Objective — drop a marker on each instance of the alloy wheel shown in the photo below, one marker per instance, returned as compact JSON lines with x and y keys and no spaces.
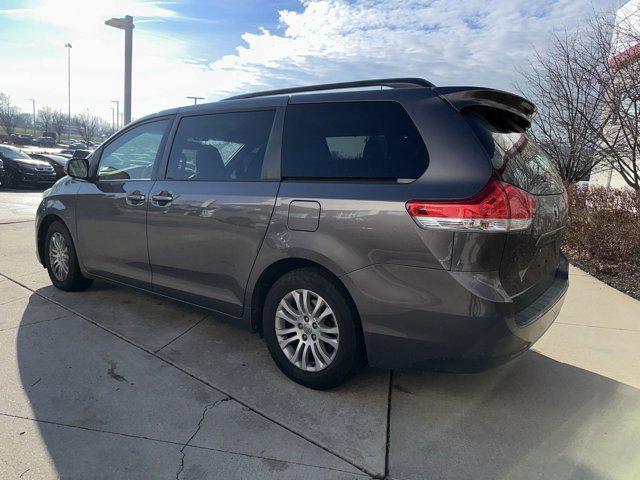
{"x":59,"y":256}
{"x":307,"y":330}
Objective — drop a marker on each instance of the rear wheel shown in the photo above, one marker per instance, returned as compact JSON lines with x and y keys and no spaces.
{"x":311,"y":330}
{"x":61,"y":260}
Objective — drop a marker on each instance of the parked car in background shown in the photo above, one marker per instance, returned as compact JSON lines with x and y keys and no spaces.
{"x":46,"y":142}
{"x":409,"y":227}
{"x":75,"y":152}
{"x":50,"y":135}
{"x":22,"y":139}
{"x":21,"y":169}
{"x":58,"y":162}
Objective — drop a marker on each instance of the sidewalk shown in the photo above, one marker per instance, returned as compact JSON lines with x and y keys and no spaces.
{"x":112,"y":383}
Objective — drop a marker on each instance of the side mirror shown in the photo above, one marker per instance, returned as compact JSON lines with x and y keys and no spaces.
{"x":78,"y":168}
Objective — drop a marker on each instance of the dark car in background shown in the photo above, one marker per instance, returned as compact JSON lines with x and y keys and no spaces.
{"x":409,"y":227}
{"x":58,"y":162}
{"x":46,"y":142}
{"x":21,"y":169}
{"x":22,"y":139}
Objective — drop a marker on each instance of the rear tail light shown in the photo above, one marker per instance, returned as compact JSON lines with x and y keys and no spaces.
{"x":499,"y":207}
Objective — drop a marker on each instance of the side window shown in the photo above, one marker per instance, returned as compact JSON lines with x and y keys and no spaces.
{"x":133,"y":154}
{"x":352,"y":140}
{"x":221,"y":146}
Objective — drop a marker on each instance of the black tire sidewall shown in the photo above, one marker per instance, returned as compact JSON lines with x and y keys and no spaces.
{"x":349,"y":349}
{"x":9,"y":179}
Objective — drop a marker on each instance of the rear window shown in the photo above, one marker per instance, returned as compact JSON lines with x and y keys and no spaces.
{"x":352,"y":140}
{"x":517,"y":158}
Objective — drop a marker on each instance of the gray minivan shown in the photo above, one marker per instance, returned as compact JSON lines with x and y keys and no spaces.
{"x":403,"y":226}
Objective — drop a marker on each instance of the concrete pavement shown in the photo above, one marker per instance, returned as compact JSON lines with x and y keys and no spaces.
{"x":18,"y":205}
{"x":112,"y":383}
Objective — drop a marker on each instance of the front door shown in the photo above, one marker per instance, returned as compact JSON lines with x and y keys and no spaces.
{"x":111,"y":212}
{"x":208,"y":218}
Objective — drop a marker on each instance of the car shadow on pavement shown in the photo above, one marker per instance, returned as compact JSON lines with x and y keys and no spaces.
{"x":532,"y":418}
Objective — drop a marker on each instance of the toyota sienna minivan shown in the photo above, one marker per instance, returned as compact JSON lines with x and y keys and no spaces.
{"x":388,"y":222}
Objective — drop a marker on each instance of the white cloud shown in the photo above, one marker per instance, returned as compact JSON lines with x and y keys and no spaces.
{"x":448,"y":42}
{"x":445,"y":41}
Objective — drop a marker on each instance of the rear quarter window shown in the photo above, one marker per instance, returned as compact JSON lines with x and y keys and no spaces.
{"x":352,"y":140}
{"x":517,"y":158}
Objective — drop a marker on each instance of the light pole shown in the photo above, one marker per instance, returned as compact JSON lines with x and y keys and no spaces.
{"x":33,"y":103}
{"x":68,"y":46}
{"x":127,"y":25}
{"x":117,"y":102}
{"x":113,"y":119}
{"x":195,"y":99}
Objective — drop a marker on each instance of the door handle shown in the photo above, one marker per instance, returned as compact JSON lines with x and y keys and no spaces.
{"x":135,"y":198}
{"x":162,"y":198}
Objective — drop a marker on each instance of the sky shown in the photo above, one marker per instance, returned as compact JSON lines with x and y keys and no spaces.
{"x":215,"y":49}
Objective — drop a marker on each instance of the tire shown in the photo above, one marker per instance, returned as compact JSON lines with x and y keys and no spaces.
{"x":9,"y":180}
{"x":57,"y":242}
{"x":335,"y":365}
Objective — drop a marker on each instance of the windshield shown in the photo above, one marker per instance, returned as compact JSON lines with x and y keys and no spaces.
{"x":517,"y":158}
{"x":13,"y":154}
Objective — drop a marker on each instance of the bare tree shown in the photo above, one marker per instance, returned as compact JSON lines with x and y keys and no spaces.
{"x":58,"y":123}
{"x":87,"y":124}
{"x":568,"y":100}
{"x":45,"y":117}
{"x":611,"y":54}
{"x":9,"y":114}
{"x":587,"y":88}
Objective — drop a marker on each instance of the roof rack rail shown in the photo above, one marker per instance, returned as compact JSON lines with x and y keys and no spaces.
{"x":380,"y":82}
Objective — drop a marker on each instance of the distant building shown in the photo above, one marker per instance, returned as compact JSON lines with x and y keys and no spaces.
{"x":625,"y":50}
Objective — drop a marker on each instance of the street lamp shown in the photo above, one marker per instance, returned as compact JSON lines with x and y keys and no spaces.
{"x":117,"y":102}
{"x":68,"y":46}
{"x":113,"y":119}
{"x":195,"y":99}
{"x":33,"y":102}
{"x":125,"y":24}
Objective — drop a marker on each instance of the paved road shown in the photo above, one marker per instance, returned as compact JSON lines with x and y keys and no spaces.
{"x":111,"y":383}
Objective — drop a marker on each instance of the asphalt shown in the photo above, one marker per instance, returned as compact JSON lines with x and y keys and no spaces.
{"x":112,"y":383}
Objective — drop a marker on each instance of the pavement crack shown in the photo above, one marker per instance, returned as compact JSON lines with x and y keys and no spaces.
{"x":198,"y":427}
{"x":217,"y":388}
{"x":387,"y":445}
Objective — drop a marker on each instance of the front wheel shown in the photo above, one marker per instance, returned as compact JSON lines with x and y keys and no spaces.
{"x":311,"y":330}
{"x":10,"y":179}
{"x":61,"y":260}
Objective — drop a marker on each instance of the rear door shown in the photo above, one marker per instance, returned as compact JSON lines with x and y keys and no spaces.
{"x":111,"y":211}
{"x":208,"y":216}
{"x":530,"y":257}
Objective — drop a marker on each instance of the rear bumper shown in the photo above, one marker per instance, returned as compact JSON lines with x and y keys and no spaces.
{"x":427,"y":319}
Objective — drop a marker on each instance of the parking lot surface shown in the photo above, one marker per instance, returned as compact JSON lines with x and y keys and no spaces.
{"x":113,"y":383}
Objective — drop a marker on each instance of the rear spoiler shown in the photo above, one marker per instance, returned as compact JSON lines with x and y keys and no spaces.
{"x":490,"y":103}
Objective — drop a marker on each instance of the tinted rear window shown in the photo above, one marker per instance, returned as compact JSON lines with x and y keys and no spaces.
{"x":517,"y":158}
{"x":352,"y":140}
